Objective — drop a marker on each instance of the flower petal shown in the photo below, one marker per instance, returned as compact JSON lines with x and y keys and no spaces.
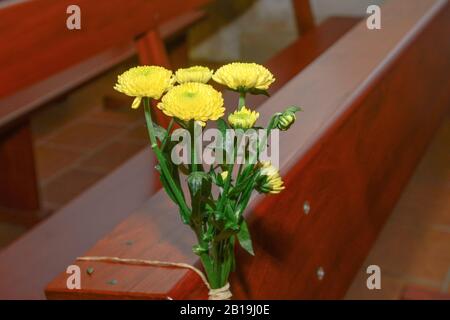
{"x":136,"y":102}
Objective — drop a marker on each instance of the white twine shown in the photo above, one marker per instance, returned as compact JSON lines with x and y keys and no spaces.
{"x":223,"y":293}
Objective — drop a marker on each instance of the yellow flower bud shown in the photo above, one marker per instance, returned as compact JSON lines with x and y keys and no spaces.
{"x":270,"y":180}
{"x":224,"y":175}
{"x":193,"y":74}
{"x":243,"y":118}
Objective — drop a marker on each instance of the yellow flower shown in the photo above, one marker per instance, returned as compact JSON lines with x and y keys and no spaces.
{"x":270,"y":180}
{"x":193,"y":74}
{"x":193,"y":101}
{"x":243,"y":118}
{"x":244,"y":76}
{"x":144,"y":81}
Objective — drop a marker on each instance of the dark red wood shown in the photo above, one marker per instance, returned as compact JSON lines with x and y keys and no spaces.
{"x":18,"y":187}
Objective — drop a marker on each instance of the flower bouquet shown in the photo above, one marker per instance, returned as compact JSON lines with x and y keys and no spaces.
{"x":211,"y":185}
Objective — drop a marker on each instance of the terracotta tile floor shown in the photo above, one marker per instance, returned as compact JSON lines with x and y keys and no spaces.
{"x":80,"y":153}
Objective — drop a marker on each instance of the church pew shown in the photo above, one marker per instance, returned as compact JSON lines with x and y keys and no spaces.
{"x":47,"y":60}
{"x":60,"y":233}
{"x":372,"y":103}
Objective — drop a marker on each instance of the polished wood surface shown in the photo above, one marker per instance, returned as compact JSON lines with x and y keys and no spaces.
{"x":349,"y":156}
{"x":105,"y":23}
{"x":130,"y":185}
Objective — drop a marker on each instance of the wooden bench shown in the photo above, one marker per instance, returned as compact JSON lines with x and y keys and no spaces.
{"x":32,"y":75}
{"x":59,"y":234}
{"x":372,"y":102}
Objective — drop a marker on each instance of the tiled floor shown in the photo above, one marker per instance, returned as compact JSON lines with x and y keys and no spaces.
{"x":80,"y":153}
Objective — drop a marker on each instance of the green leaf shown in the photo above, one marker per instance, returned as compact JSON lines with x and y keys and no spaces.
{"x":235,"y":191}
{"x":230,"y":216}
{"x":165,"y":184}
{"x":199,"y":184}
{"x":196,"y":180}
{"x":244,"y":238}
{"x":200,"y":249}
{"x":222,"y":126}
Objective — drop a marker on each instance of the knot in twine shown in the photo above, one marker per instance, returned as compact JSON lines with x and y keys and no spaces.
{"x":223,"y":293}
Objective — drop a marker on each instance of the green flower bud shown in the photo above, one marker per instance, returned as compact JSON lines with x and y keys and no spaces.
{"x":285,"y":120}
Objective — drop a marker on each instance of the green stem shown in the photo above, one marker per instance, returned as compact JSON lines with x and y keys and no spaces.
{"x":169,"y":128}
{"x":241,"y":99}
{"x":162,"y":162}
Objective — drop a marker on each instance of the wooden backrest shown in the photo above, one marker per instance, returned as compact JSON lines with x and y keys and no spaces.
{"x":303,"y":15}
{"x":35,"y":42}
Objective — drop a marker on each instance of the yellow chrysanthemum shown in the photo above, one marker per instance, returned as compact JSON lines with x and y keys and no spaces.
{"x":193,"y":101}
{"x":243,"y":118}
{"x":193,"y":74}
{"x":270,"y":180}
{"x":144,"y":81}
{"x":244,"y":76}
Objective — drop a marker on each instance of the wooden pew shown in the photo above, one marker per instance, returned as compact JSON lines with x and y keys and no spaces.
{"x":372,"y":102}
{"x":304,"y":16}
{"x":129,"y":186}
{"x":47,"y":60}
